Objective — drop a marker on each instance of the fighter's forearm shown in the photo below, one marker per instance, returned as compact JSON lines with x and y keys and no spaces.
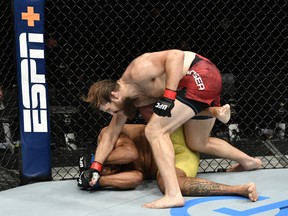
{"x":103,"y":150}
{"x":122,"y":155}
{"x":109,"y":137}
{"x":123,"y":180}
{"x":124,"y":150}
{"x":174,"y":67}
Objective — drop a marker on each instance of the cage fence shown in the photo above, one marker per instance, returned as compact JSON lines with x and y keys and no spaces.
{"x":89,"y":40}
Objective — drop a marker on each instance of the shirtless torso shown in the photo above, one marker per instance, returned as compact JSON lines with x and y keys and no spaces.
{"x":155,"y":84}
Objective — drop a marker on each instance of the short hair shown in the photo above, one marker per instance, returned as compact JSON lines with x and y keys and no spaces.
{"x":100,"y":92}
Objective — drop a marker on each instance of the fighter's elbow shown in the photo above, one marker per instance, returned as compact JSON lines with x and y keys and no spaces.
{"x":136,"y":178}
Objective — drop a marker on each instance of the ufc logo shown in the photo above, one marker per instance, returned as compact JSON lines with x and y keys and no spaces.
{"x":81,"y":164}
{"x":161,"y":106}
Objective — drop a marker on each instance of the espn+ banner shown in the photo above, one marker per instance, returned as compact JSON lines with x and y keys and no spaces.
{"x":32,"y":90}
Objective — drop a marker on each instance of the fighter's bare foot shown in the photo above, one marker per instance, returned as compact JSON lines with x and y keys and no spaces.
{"x":249,"y":190}
{"x":165,"y":202}
{"x":224,"y":113}
{"x":252,"y":164}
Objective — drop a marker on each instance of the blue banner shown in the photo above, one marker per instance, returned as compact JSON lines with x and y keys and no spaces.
{"x":32,"y":89}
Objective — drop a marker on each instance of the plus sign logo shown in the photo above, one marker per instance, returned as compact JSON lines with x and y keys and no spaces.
{"x":30,"y":16}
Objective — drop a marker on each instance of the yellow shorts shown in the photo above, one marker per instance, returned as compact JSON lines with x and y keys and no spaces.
{"x":185,"y":159}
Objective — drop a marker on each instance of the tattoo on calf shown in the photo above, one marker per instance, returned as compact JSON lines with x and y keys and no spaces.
{"x":197,"y":187}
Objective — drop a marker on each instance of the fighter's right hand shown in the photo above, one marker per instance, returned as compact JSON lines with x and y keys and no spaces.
{"x":85,"y":162}
{"x":89,"y":179}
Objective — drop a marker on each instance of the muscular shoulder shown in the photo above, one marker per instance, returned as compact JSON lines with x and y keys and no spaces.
{"x":146,"y":67}
{"x":149,"y":66}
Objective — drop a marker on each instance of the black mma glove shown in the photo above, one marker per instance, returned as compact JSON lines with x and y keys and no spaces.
{"x":87,"y":175}
{"x":164,"y":106}
{"x":85,"y":162}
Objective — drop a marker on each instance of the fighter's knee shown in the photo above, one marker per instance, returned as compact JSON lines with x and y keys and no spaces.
{"x":150,"y":132}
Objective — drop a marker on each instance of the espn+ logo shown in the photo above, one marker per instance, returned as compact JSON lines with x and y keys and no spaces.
{"x":32,"y":84}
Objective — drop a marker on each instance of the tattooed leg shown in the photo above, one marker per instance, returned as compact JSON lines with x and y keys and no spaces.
{"x":202,"y":187}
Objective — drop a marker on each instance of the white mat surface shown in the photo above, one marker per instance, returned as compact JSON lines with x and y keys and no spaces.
{"x":63,"y":198}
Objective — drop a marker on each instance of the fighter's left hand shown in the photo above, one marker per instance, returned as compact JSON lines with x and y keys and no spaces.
{"x":164,"y":106}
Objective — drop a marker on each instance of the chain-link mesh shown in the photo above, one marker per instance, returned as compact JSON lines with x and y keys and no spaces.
{"x":9,"y":127}
{"x":89,"y":40}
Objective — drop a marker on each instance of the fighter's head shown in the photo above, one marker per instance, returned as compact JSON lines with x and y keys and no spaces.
{"x":101,"y":93}
{"x":105,"y":95}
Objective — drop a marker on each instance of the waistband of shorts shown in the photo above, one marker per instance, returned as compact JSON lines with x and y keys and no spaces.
{"x":201,"y":117}
{"x":195,"y":60}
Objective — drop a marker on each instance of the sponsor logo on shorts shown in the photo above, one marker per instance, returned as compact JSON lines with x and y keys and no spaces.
{"x":198,"y":79}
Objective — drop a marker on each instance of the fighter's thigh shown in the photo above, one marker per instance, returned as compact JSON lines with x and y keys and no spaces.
{"x":179,"y":115}
{"x":197,"y":132}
